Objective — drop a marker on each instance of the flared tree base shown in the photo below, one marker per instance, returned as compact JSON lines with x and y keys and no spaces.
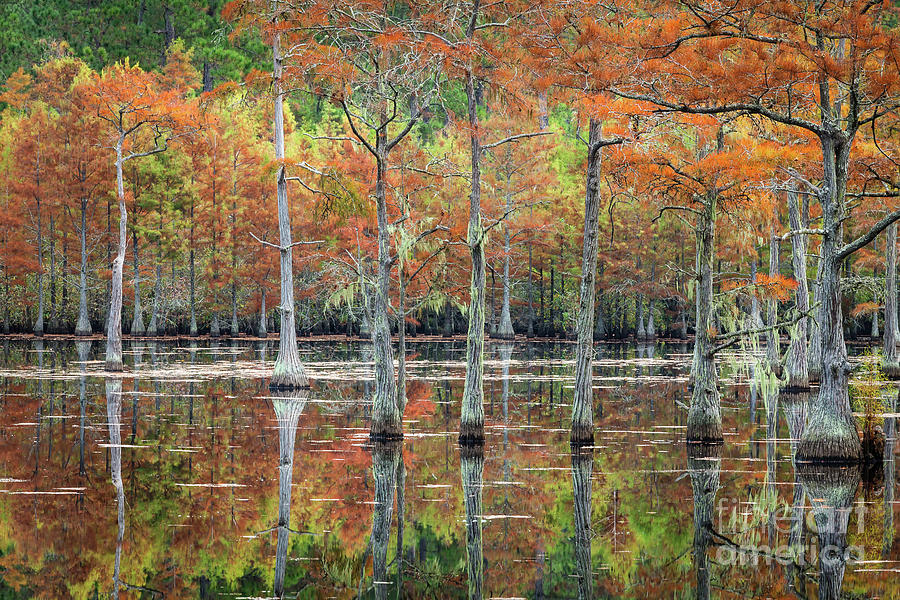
{"x":830,"y":449}
{"x":796,"y":388}
{"x":113,"y":364}
{"x":500,"y":335}
{"x":704,"y":431}
{"x":581,"y":435}
{"x":83,"y":332}
{"x":385,"y":433}
{"x":471,"y":434}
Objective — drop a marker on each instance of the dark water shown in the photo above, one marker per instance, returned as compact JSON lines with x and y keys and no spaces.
{"x":187,"y":478}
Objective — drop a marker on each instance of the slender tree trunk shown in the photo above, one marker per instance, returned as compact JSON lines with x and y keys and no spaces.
{"x":773,"y":343}
{"x":261,"y":332}
{"x":235,"y":329}
{"x":796,"y":362}
{"x":401,"y":343}
{"x":505,"y":329}
{"x":54,"y":314}
{"x":471,"y":427}
{"x":639,"y":318}
{"x":815,"y":335}
{"x":891,"y":364}
{"x":582,"y":429}
{"x":83,"y":327}
{"x":386,"y":420}
{"x":114,"y":322}
{"x":530,"y":330}
{"x":154,"y":327}
{"x":193,"y":277}
{"x":39,"y":320}
{"x":704,"y":417}
{"x":288,"y":372}
{"x":137,"y":321}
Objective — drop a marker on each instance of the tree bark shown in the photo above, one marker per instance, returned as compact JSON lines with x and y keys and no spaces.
{"x":288,"y":372}
{"x":796,"y":361}
{"x":471,"y":427}
{"x":114,"y":321}
{"x":830,"y":433}
{"x":773,"y":341}
{"x":83,"y":327}
{"x":704,"y":417}
{"x":891,"y":365}
{"x":505,"y":329}
{"x":39,"y":320}
{"x":582,"y":429}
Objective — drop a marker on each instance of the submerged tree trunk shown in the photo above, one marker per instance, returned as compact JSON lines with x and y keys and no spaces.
{"x":288,"y":372}
{"x":83,"y":327}
{"x":582,"y":465}
{"x":472,"y":470}
{"x":891,"y":365}
{"x":471,"y":427}
{"x":114,"y":321}
{"x":288,"y":408}
{"x":796,"y":362}
{"x":704,"y":417}
{"x":582,"y":429}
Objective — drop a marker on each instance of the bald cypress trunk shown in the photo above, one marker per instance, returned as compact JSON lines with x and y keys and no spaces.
{"x":114,"y":321}
{"x":773,"y":340}
{"x":261,"y":330}
{"x":831,"y":433}
{"x":288,"y":372}
{"x":83,"y":327}
{"x":582,"y":429}
{"x":505,"y":328}
{"x":796,"y":361}
{"x":704,"y":417}
{"x":891,"y":338}
{"x":471,"y":428}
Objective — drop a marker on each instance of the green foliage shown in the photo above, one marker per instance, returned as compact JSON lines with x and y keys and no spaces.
{"x":867,"y":392}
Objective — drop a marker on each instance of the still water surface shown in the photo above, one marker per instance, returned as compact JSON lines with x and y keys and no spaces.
{"x":187,"y":478}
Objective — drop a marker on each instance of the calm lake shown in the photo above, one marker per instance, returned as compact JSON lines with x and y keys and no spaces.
{"x":187,"y":478}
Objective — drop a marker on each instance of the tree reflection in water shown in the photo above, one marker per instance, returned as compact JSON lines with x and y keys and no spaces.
{"x":704,"y":464}
{"x":472,"y":470}
{"x":582,"y":466}
{"x":288,"y":408}
{"x":113,"y":416}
